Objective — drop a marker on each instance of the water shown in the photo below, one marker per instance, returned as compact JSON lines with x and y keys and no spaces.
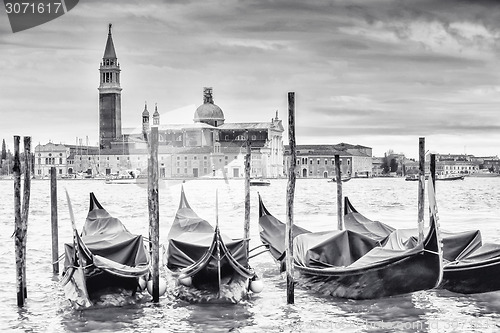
{"x":463,"y":205}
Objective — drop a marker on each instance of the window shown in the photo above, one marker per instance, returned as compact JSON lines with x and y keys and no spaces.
{"x":204,"y":157}
{"x":311,"y":161}
{"x":60,"y":160}
{"x":185,"y":170}
{"x":185,"y":157}
{"x":318,"y":161}
{"x":178,"y":170}
{"x":178,"y":158}
{"x":117,"y":158}
{"x":225,"y":157}
{"x":348,"y":162}
{"x":195,"y":158}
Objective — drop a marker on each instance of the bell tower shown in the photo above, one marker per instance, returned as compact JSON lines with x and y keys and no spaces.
{"x":110,"y":112}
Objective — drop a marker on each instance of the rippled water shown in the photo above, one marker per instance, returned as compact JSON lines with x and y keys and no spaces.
{"x":463,"y":205}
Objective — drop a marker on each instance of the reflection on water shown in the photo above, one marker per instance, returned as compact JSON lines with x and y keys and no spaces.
{"x":463,"y":205}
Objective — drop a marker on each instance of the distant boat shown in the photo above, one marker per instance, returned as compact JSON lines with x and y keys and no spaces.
{"x":259,"y":182}
{"x":484,"y":174}
{"x":415,"y":177}
{"x":450,"y":177}
{"x":343,"y":179}
{"x":129,"y":177}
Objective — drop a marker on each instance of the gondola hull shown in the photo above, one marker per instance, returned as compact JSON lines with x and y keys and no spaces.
{"x":349,"y":265}
{"x":418,"y":272}
{"x":470,"y":279}
{"x":104,"y":263}
{"x":207,"y":265}
{"x":470,"y":266}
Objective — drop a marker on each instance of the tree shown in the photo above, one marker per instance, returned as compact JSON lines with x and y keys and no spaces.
{"x":4,"y":151}
{"x":394,"y":165}
{"x":385,"y":165}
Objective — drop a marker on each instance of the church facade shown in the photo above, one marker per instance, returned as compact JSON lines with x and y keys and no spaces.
{"x":208,"y":147}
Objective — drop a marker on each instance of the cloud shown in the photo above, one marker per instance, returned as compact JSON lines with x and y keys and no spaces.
{"x":383,"y":67}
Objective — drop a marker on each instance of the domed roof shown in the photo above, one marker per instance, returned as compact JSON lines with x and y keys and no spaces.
{"x":145,"y":113}
{"x":208,"y":112}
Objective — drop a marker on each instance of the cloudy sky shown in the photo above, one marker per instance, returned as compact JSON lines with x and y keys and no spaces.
{"x":379,"y":73}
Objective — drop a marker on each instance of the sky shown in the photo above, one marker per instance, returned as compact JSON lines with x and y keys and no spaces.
{"x":378,"y":73}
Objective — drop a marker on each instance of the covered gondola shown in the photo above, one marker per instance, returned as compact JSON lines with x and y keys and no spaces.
{"x":469,"y":265}
{"x":203,"y":258}
{"x":105,"y":259}
{"x":351,"y":265}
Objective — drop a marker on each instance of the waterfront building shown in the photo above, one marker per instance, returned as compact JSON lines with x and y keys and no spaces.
{"x":48,"y":156}
{"x":318,"y":161}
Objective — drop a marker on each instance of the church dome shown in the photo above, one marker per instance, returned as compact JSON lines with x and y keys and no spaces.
{"x":208,"y":112}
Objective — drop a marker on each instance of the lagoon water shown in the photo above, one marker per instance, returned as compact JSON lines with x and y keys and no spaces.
{"x":473,"y":203}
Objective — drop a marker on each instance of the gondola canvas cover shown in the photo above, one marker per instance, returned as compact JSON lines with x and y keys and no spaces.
{"x":107,"y":244}
{"x":190,"y":236}
{"x":331,"y":249}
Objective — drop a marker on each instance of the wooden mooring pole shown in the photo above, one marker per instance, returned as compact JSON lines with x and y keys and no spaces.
{"x":21,"y":211}
{"x":248,"y":158}
{"x":53,"y":219}
{"x":433,"y":171}
{"x":290,"y":192}
{"x":154,"y":216}
{"x":18,"y":224}
{"x":26,"y":203}
{"x":421,"y":188}
{"x":338,"y":173}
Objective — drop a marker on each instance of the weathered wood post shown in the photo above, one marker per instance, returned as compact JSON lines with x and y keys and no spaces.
{"x":290,"y":191}
{"x":248,"y":157}
{"x":433,"y":171}
{"x":26,"y":203}
{"x":338,"y":176}
{"x":53,"y":219}
{"x":18,"y":222}
{"x":421,"y":188}
{"x":154,"y":218}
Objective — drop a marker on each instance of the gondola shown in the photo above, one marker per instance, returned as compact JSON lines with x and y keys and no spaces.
{"x":105,"y":259}
{"x":207,"y":264}
{"x":350,"y":265}
{"x":469,"y":265}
